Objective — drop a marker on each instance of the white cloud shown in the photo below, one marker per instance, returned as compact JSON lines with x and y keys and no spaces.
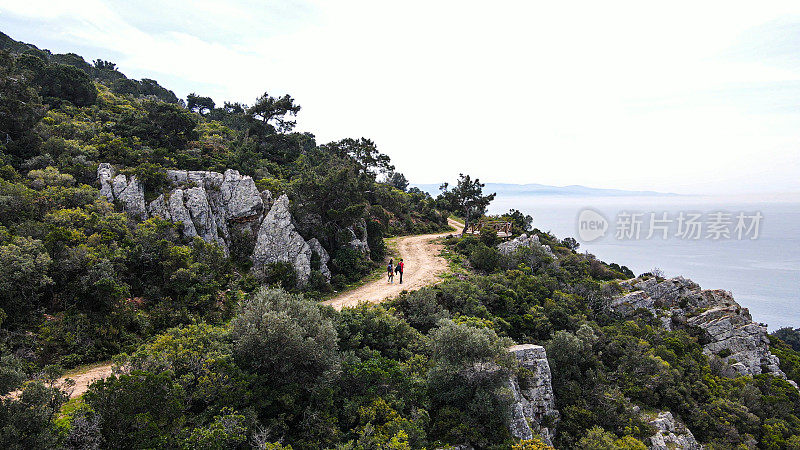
{"x":609,"y":94}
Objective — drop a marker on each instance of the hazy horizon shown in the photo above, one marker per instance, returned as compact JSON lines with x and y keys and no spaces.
{"x":782,"y":196}
{"x":606,"y":95}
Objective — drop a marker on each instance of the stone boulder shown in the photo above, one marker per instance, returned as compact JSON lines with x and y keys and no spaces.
{"x":213,"y":205}
{"x":668,"y":293}
{"x":179,"y":213}
{"x":159,"y":208}
{"x":533,"y":410}
{"x":203,"y":218}
{"x":737,"y":340}
{"x":671,"y":434}
{"x":279,"y":241}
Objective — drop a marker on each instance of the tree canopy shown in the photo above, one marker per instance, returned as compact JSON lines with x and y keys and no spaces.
{"x":466,"y":197}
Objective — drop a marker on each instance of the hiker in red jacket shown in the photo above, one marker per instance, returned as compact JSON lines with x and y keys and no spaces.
{"x":399,"y":269}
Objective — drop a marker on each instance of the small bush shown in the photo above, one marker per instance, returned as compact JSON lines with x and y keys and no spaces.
{"x":280,"y":274}
{"x":350,"y":263}
{"x":489,"y":236}
{"x":485,"y":259}
{"x":317,"y":282}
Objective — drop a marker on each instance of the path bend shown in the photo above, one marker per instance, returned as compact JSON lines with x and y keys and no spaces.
{"x":423,"y":267}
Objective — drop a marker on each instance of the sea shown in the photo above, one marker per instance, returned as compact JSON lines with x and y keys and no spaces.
{"x":757,"y":260}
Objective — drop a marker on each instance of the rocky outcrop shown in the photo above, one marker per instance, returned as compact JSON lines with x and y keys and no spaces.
{"x":671,"y":434}
{"x":240,"y":196}
{"x":159,"y":208}
{"x":729,"y":331}
{"x":203,"y":218}
{"x":509,"y":247}
{"x":128,"y":192}
{"x":179,"y":213}
{"x":105,"y":173}
{"x":279,"y":241}
{"x":216,"y":206}
{"x":357,"y":237}
{"x":533,"y":410}
{"x":739,"y":341}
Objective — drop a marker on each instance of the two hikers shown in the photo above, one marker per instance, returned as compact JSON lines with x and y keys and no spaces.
{"x":392,"y":269}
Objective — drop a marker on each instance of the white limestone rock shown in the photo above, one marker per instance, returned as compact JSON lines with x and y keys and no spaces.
{"x":211,"y":204}
{"x":671,"y":434}
{"x":130,"y":194}
{"x":324,"y":258}
{"x":357,"y":237}
{"x":159,"y":208}
{"x":534,"y":400}
{"x":179,"y":213}
{"x":279,"y":241}
{"x":105,"y":173}
{"x":202,"y":217}
{"x":523,"y":240}
{"x":240,"y":196}
{"x":732,"y":335}
{"x":737,"y":340}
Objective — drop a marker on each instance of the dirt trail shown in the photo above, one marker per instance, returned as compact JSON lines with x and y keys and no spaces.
{"x":423,"y":266}
{"x":83,"y":377}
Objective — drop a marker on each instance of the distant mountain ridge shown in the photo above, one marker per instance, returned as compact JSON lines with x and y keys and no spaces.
{"x":574,"y":190}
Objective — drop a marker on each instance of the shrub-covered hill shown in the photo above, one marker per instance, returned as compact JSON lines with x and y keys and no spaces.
{"x":432,"y":368}
{"x":207,"y":358}
{"x":82,"y":280}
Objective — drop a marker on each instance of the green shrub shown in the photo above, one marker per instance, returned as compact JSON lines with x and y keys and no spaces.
{"x":280,"y":274}
{"x":351,"y":263}
{"x":485,"y":259}
{"x":318,"y":282}
{"x":489,"y":236}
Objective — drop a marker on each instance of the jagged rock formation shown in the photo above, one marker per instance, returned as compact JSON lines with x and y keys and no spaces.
{"x":317,"y":248}
{"x":357,"y":237}
{"x":104,"y":175}
{"x":128,"y":192}
{"x":216,"y":206}
{"x":279,"y":241}
{"x":671,"y":434}
{"x":730,"y":332}
{"x":534,"y":408}
{"x":509,"y":247}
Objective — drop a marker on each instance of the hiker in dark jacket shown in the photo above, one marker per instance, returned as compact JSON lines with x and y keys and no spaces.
{"x":390,"y":271}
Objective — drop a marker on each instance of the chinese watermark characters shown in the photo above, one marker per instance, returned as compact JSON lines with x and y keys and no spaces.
{"x":685,"y":225}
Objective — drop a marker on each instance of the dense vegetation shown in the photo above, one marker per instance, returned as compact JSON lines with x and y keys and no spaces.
{"x":82,"y":281}
{"x":209,"y":359}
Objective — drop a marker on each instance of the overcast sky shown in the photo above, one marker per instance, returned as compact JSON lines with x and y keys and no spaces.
{"x":694,"y":97}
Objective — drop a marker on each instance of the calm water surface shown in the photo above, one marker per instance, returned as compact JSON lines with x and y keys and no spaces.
{"x":762,"y":274}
